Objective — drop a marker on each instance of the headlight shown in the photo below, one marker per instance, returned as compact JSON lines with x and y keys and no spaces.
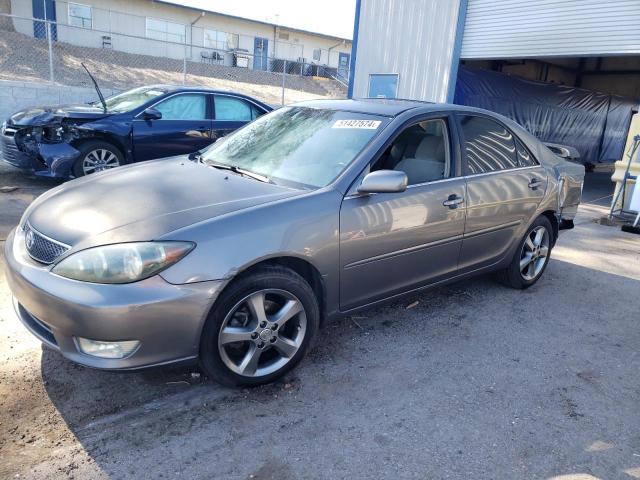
{"x":122,"y":262}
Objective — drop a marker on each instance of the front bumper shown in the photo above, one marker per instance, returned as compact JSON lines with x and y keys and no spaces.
{"x":51,"y":159}
{"x":167,"y":319}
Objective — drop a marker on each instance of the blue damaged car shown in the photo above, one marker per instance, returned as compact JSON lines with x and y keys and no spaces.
{"x":140,"y":124}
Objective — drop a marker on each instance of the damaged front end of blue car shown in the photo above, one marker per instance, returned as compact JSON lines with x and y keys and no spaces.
{"x":42,"y":150}
{"x":22,"y":150}
{"x":40,"y":140}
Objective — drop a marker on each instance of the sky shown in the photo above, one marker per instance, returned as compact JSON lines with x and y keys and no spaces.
{"x":331,"y":17}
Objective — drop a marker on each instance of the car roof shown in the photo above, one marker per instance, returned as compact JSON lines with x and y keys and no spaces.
{"x":173,"y":88}
{"x":377,"y":106}
{"x":186,"y":88}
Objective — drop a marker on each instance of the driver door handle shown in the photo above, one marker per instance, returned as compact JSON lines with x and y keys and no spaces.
{"x":453,"y":201}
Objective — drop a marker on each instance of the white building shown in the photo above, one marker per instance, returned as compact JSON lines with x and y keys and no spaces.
{"x":162,"y":28}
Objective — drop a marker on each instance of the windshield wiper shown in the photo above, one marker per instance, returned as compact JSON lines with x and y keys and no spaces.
{"x":95,"y":84}
{"x":238,"y":170}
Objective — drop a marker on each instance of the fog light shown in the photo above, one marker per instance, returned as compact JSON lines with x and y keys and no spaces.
{"x":96,"y":348}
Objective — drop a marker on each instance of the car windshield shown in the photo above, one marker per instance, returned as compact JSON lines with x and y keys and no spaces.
{"x":296,"y":146}
{"x":131,"y":99}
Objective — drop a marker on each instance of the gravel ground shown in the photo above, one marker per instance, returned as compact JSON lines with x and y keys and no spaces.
{"x":472,"y":381}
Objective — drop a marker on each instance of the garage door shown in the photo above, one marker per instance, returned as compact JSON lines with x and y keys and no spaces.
{"x":544,"y":28}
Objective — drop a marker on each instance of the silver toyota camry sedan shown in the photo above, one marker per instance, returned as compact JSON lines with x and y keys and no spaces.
{"x":235,"y":256}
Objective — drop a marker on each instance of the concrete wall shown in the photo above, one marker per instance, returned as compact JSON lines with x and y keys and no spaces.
{"x":414,"y":39}
{"x":15,"y":96}
{"x":125,"y":22}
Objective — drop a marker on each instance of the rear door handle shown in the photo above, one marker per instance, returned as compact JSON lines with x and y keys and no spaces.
{"x":453,"y":201}
{"x":534,"y":184}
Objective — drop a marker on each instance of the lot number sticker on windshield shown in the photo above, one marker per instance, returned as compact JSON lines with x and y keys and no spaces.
{"x":366,"y":124}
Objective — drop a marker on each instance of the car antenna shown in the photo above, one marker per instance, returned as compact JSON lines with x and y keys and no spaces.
{"x":95,"y":84}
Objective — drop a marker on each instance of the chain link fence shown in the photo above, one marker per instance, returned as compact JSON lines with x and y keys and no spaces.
{"x":37,"y":50}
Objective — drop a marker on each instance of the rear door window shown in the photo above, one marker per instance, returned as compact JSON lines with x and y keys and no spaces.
{"x":488,"y":145}
{"x":232,"y":109}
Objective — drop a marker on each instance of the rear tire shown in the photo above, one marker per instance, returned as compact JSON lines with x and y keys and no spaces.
{"x":531,"y":257}
{"x":259,"y":328}
{"x":96,"y":156}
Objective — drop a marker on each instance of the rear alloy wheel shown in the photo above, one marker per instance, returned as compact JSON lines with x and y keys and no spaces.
{"x":535,"y":251}
{"x":532,"y":256}
{"x":96,"y":157}
{"x":260,"y":328}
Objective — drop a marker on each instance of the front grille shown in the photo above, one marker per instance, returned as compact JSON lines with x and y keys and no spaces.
{"x":41,"y":248}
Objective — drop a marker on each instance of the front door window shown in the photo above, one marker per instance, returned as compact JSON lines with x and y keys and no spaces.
{"x":421,"y":151}
{"x":187,"y":106}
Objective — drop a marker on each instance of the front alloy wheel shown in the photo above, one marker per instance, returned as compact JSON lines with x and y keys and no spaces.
{"x":262,"y":333}
{"x":98,"y":160}
{"x":96,"y":156}
{"x":260,"y":327}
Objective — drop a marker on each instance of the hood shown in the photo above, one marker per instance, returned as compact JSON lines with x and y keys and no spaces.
{"x":39,"y":116}
{"x":145,"y":201}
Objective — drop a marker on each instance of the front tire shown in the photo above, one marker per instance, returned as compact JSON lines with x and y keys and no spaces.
{"x":96,"y":156}
{"x":532,"y":256}
{"x":259,"y":328}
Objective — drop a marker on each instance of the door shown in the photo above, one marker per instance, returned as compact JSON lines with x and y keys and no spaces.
{"x":343,"y":65}
{"x":393,"y":242}
{"x":260,"y":49}
{"x":505,"y":185}
{"x":185,"y":127}
{"x":231,"y":113}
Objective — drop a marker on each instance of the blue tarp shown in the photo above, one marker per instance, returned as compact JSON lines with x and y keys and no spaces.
{"x":594,"y":123}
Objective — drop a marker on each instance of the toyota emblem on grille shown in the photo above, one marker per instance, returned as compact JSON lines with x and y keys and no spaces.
{"x":29,"y":239}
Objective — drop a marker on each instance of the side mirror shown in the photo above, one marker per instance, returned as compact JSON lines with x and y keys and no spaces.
{"x":563,"y":151}
{"x":151,"y":114}
{"x":384,"y":181}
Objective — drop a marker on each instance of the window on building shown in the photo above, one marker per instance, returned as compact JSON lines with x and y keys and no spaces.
{"x":382,"y":85}
{"x":488,"y":145}
{"x":220,"y":40}
{"x":165,"y":30}
{"x":80,"y":15}
{"x":232,"y":109}
{"x":186,"y":106}
{"x":421,"y":151}
{"x":317,"y":53}
{"x":283,"y":35}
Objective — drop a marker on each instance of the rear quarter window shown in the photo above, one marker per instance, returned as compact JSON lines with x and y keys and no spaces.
{"x":525,"y":158}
